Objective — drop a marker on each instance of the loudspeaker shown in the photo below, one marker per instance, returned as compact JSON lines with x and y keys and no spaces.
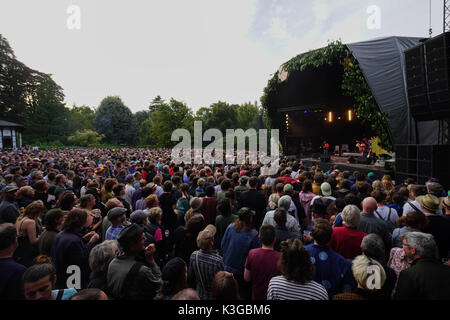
{"x":324,"y":158}
{"x":422,"y":162}
{"x":416,"y":80}
{"x":437,"y":54}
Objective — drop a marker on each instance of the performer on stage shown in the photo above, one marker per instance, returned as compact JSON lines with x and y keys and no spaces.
{"x":325,"y":147}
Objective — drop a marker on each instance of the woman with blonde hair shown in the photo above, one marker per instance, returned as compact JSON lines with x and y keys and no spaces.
{"x":28,"y":229}
{"x":387,"y":183}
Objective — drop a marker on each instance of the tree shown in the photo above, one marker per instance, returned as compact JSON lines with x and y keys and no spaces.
{"x":223,"y":116}
{"x":47,"y":118}
{"x":166,"y":118}
{"x":86,"y":138}
{"x":116,"y":122}
{"x":81,"y":118}
{"x":158,"y":101}
{"x":19,"y":85}
{"x":247,"y":116}
{"x":141,"y":116}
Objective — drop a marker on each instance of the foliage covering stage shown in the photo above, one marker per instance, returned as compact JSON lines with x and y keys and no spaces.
{"x":353,"y":85}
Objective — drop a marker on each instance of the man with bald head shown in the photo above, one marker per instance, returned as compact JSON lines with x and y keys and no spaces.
{"x":371,"y":224}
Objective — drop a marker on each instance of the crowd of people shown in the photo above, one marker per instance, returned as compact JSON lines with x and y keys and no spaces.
{"x":127,"y":224}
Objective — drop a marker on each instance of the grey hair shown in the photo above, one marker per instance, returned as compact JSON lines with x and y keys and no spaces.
{"x":435,"y":188}
{"x":101,"y":254}
{"x":423,"y":243}
{"x":284,"y":202}
{"x":351,"y":216}
{"x":372,"y":245}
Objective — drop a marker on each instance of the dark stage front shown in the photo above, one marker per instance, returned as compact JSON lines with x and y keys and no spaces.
{"x":310,"y":107}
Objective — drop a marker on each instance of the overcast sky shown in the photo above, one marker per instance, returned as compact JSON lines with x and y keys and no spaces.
{"x":197,"y":51}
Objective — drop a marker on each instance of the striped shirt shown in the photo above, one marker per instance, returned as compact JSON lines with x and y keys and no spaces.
{"x":282,"y":289}
{"x":209,"y":263}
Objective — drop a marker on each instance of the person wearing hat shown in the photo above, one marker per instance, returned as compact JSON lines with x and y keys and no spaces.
{"x":8,"y":209}
{"x":446,"y":204}
{"x":174,"y":276}
{"x":205,"y":263}
{"x":438,"y":225}
{"x":240,"y":237}
{"x":117,"y":217}
{"x":133,"y":274}
{"x":140,"y":217}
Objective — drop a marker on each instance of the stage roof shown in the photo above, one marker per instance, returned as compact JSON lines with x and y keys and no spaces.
{"x":382,"y":63}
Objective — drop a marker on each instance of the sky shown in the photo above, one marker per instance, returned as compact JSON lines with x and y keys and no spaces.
{"x":196,"y":51}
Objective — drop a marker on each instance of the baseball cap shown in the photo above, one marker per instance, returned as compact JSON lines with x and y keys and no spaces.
{"x":326,"y":189}
{"x":206,"y":236}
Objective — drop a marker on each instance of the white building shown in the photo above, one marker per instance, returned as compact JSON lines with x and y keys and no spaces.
{"x":10,"y":135}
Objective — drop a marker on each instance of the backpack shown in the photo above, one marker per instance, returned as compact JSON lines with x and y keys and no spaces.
{"x":388,"y":221}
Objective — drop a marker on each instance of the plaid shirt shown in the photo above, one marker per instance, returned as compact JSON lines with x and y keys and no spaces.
{"x":113,"y":232}
{"x":209,"y":263}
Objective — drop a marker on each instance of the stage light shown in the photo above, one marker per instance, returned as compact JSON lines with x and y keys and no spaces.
{"x":330,"y":116}
{"x":305,"y":112}
{"x":350,"y":115}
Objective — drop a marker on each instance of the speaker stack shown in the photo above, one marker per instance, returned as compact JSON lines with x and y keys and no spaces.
{"x":427,"y":78}
{"x":422,"y":162}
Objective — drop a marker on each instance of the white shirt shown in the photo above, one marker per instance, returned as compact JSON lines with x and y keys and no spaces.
{"x":129,"y":190}
{"x":407,"y":208}
{"x":384,"y":213}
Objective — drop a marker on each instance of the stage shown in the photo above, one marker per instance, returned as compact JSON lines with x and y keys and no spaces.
{"x":342,"y":164}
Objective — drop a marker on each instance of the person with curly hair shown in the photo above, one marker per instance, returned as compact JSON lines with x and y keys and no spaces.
{"x":297,"y":269}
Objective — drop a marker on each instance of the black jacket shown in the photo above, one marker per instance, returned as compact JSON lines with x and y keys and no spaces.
{"x":426,"y":279}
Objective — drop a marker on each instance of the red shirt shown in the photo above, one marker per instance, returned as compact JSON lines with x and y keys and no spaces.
{"x":262,"y":265}
{"x":287,"y":179}
{"x":347,"y":241}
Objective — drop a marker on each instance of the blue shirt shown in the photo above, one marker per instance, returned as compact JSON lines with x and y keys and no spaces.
{"x":338,"y":222}
{"x":332,"y":270}
{"x":236,"y":246}
{"x":66,"y":295}
{"x":113,"y":232}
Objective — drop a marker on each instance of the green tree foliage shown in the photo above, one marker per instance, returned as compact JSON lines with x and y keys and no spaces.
{"x":247,"y":116}
{"x":165,"y":119}
{"x":47,"y":118}
{"x":81,"y":118}
{"x":86,"y":138}
{"x":141,"y":116}
{"x":158,"y":101}
{"x":19,"y":85}
{"x":223,"y":116}
{"x":116,"y":122}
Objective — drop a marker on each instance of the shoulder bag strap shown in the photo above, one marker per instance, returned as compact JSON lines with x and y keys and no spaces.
{"x":199,"y":273}
{"x":60,"y":294}
{"x":379,"y":216}
{"x":413,"y":206}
